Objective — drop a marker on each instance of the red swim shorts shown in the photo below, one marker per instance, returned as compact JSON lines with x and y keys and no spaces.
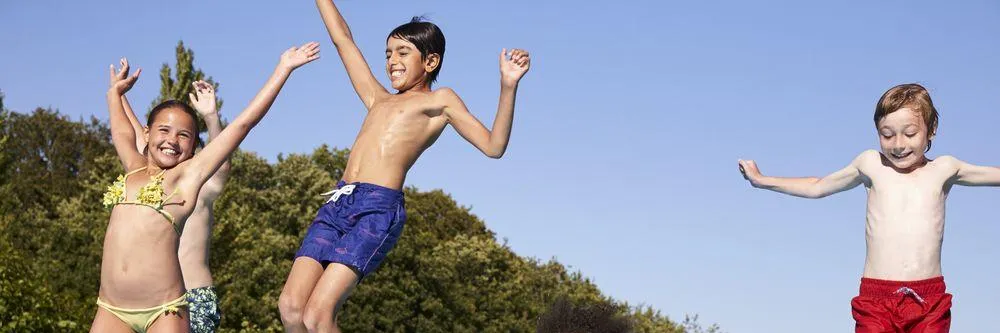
{"x":902,"y":306}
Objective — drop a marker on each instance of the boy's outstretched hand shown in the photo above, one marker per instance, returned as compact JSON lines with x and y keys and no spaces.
{"x":513,"y":66}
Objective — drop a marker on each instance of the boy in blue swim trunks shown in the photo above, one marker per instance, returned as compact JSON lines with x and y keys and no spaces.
{"x":364,"y":216}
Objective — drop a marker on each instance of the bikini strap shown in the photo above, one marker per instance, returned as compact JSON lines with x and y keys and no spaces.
{"x":134,"y":171}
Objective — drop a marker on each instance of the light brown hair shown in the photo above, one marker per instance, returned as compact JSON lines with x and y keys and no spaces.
{"x":912,"y":96}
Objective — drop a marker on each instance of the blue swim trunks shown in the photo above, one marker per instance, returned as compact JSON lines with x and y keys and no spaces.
{"x":356,"y":227}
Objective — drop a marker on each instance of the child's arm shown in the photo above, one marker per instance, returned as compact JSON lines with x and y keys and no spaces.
{"x":203,"y":101}
{"x":209,"y":159}
{"x":492,"y":143}
{"x":364,"y":81}
{"x":140,"y":138}
{"x":810,"y":187}
{"x":123,"y":134}
{"x":973,"y":175}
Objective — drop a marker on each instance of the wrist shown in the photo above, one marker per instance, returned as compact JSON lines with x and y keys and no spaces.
{"x":508,"y":84}
{"x":284,"y":69}
{"x":212,"y":118}
{"x":760,"y":181}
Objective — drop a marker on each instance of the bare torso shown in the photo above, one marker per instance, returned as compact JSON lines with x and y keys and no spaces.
{"x":194,"y":247}
{"x":397,"y":129}
{"x":139,"y":266}
{"x":904,"y":226}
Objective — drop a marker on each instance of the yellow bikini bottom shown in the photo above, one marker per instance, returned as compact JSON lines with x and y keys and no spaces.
{"x":140,"y":319}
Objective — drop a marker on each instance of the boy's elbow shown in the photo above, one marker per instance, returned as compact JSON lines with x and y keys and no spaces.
{"x":340,"y":40}
{"x":815,"y":191}
{"x":817,"y":195}
{"x":494,"y":152}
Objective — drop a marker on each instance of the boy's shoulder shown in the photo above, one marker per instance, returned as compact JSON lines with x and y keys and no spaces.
{"x":868,"y":157}
{"x":947,"y":162}
{"x":443,"y":92}
{"x":444,"y":96}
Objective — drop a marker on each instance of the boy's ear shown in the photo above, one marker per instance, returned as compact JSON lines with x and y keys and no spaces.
{"x":431,"y":62}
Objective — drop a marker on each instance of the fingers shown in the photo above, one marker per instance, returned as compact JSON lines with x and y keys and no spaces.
{"x":310,"y":51}
{"x":203,"y":89}
{"x":125,"y":67}
{"x":135,"y":76}
{"x":747,"y":166}
{"x":191,"y":97}
{"x":523,"y":58}
{"x":744,"y":166}
{"x":122,"y":72}
{"x":517,"y":57}
{"x":300,"y":55}
{"x":310,"y":47}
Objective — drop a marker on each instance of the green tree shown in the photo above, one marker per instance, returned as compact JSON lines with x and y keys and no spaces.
{"x":4,"y":160}
{"x":178,"y":85}
{"x":51,"y":258}
{"x":44,"y":155}
{"x":27,"y":303}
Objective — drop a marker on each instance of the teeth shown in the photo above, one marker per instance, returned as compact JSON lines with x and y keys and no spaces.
{"x":169,"y":151}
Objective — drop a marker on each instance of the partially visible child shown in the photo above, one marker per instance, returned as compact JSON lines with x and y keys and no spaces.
{"x":902,"y":289}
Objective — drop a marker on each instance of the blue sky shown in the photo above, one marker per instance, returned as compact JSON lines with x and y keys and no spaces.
{"x":622,"y":162}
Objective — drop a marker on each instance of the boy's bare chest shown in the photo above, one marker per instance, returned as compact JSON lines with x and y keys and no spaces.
{"x":401,"y":113}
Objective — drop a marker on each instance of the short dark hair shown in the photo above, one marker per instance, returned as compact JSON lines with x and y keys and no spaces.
{"x":426,"y":36}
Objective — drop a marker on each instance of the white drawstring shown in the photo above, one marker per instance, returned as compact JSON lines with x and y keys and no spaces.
{"x":335,"y":194}
{"x":911,"y":292}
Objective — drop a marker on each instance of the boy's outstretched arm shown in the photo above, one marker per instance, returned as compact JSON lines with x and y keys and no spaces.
{"x":492,"y":143}
{"x":364,"y":81}
{"x":973,"y":175}
{"x":810,"y":187}
{"x":208,"y":160}
{"x":204,"y":102}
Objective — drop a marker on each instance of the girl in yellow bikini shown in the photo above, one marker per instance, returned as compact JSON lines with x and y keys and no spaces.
{"x":142,"y":289}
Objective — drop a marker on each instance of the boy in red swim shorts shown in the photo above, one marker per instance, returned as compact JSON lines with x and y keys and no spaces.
{"x":902,"y":289}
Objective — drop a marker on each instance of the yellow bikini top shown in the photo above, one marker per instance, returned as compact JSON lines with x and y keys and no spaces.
{"x":151,"y":195}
